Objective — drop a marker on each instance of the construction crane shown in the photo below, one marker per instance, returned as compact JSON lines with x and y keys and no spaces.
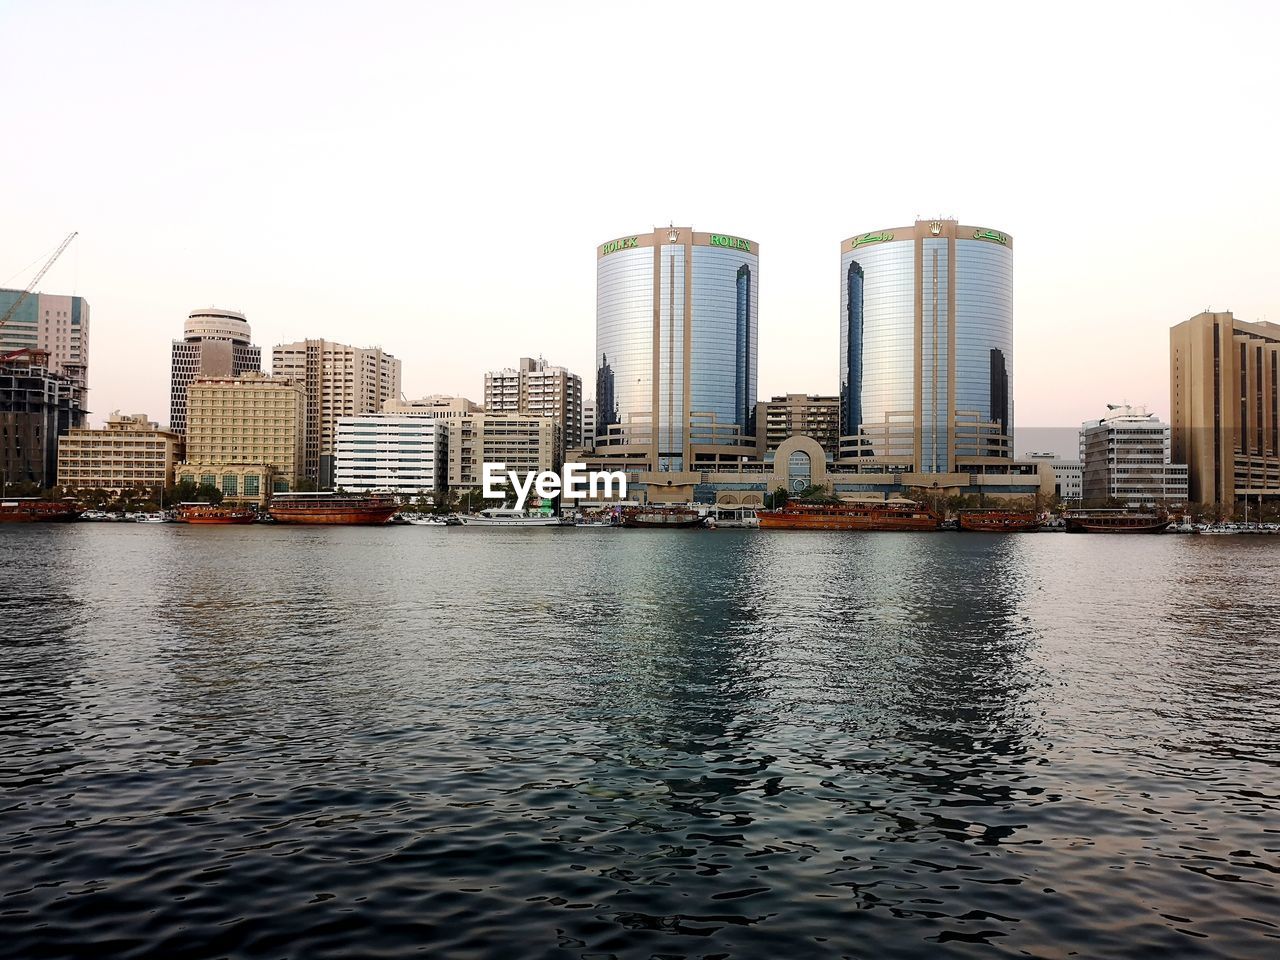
{"x":13,"y":308}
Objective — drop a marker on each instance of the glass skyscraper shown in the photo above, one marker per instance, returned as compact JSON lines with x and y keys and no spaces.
{"x":926,"y":346}
{"x":676,"y":348}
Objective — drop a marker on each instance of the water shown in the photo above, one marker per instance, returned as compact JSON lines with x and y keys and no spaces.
{"x":275,"y":742}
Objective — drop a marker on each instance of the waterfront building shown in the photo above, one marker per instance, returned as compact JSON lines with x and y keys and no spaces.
{"x":239,"y":482}
{"x":215,"y":343}
{"x":37,"y":406}
{"x":130,"y":451}
{"x":1068,"y":476}
{"x":437,"y":406}
{"x":676,"y":349}
{"x":54,"y":324}
{"x":1224,"y":382}
{"x":926,"y":346}
{"x":537,"y":389}
{"x":799,"y":414}
{"x":338,"y":381}
{"x":523,"y":443}
{"x":1126,"y":459}
{"x":401,"y":453}
{"x":253,"y":420}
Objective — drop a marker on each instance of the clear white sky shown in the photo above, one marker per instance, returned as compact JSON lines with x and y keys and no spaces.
{"x":434,"y":178}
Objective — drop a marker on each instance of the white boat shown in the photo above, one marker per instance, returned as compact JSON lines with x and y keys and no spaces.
{"x":506,"y":517}
{"x":153,"y":518}
{"x":426,"y":521}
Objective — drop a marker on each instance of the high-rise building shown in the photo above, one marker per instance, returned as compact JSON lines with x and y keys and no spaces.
{"x":1224,"y":382}
{"x":676,"y":349}
{"x":799,"y":414}
{"x":55,"y":324}
{"x":402,"y":453}
{"x":215,"y":343}
{"x":538,"y":389}
{"x":521,"y":442}
{"x":926,"y":346}
{"x":253,"y":420}
{"x":130,"y":451}
{"x":37,"y":406}
{"x":437,"y":406}
{"x":1126,"y":459}
{"x":588,"y":424}
{"x":339,"y":381}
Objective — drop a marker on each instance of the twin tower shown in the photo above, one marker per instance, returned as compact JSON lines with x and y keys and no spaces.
{"x":925,"y":348}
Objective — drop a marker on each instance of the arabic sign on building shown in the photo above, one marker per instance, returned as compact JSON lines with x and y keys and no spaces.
{"x":866,"y":238}
{"x":993,"y":235}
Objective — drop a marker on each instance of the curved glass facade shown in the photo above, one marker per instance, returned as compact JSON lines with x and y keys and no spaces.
{"x":926,"y":343}
{"x":676,"y":343}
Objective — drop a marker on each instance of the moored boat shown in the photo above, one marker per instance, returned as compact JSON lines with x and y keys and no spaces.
{"x":1115,"y":521}
{"x":871,"y":515}
{"x":506,"y":517}
{"x":35,"y":510}
{"x":332,"y":508}
{"x":999,"y":521}
{"x":208,"y":513}
{"x":661,"y":517}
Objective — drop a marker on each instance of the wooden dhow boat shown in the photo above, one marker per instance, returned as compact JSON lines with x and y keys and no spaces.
{"x":872,"y":515}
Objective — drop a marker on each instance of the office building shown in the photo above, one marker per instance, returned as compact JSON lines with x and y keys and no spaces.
{"x":537,"y":389}
{"x":1224,"y":387}
{"x":588,"y":424}
{"x":1068,"y":476}
{"x":249,"y":421}
{"x":215,"y":343}
{"x":37,"y":406}
{"x":54,"y":324}
{"x":1126,"y":460}
{"x":130,"y":451}
{"x":676,"y":349}
{"x":437,"y":406}
{"x":401,"y":453}
{"x":926,"y":346}
{"x":798,"y":414}
{"x":338,"y":381}
{"x":523,"y":443}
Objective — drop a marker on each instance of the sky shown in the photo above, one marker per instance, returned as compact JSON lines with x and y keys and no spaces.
{"x":435,"y":178}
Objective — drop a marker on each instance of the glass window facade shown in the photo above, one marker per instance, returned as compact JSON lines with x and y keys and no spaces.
{"x":624,"y":336}
{"x":984,"y":332}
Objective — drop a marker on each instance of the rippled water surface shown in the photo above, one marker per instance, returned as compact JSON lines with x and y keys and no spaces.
{"x":587,"y":743}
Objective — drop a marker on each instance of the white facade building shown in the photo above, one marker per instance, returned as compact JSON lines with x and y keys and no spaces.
{"x":1068,"y":476}
{"x":404,"y":454}
{"x":1126,"y":458}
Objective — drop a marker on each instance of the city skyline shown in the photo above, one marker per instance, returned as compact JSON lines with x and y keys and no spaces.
{"x":251,"y":188}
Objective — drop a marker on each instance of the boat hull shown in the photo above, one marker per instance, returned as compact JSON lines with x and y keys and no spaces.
{"x":1075,"y":525}
{"x":513,"y":521}
{"x":38,"y":511}
{"x":869,"y":524}
{"x":217,"y":520}
{"x":333,"y":516}
{"x":999,"y":522}
{"x":660,"y":518}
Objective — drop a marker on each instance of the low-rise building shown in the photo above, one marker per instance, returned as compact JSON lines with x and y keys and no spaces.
{"x":1126,"y":459}
{"x":244,"y":482}
{"x":522,"y":443}
{"x":130,"y":451}
{"x":401,"y":453}
{"x":437,"y":406}
{"x":798,"y":414}
{"x":1068,"y":476}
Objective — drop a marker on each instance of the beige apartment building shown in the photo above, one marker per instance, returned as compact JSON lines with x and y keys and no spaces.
{"x":338,"y":381}
{"x":437,"y":406}
{"x":537,"y":389}
{"x":1224,"y":381}
{"x":522,"y":443}
{"x":798,"y":414}
{"x":130,"y":451}
{"x":248,"y":421}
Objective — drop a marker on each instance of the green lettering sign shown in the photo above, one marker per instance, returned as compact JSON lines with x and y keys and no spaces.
{"x":613,"y":246}
{"x":882,"y":237}
{"x":719,"y":240}
{"x":991,"y":235}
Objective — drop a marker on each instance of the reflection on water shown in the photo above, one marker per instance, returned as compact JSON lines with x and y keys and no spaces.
{"x":592,"y":743}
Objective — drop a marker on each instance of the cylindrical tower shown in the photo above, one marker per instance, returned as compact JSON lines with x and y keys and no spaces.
{"x":926,"y":345}
{"x":676,"y":348}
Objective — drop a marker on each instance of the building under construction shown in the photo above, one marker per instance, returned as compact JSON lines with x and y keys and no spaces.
{"x":37,"y":406}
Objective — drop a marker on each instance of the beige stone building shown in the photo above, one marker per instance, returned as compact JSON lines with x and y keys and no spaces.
{"x":537,"y":389}
{"x":1224,"y":379}
{"x":522,"y":443}
{"x":437,"y":406}
{"x":338,"y":381}
{"x":798,"y":414}
{"x":253,"y":420}
{"x":130,"y":451}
